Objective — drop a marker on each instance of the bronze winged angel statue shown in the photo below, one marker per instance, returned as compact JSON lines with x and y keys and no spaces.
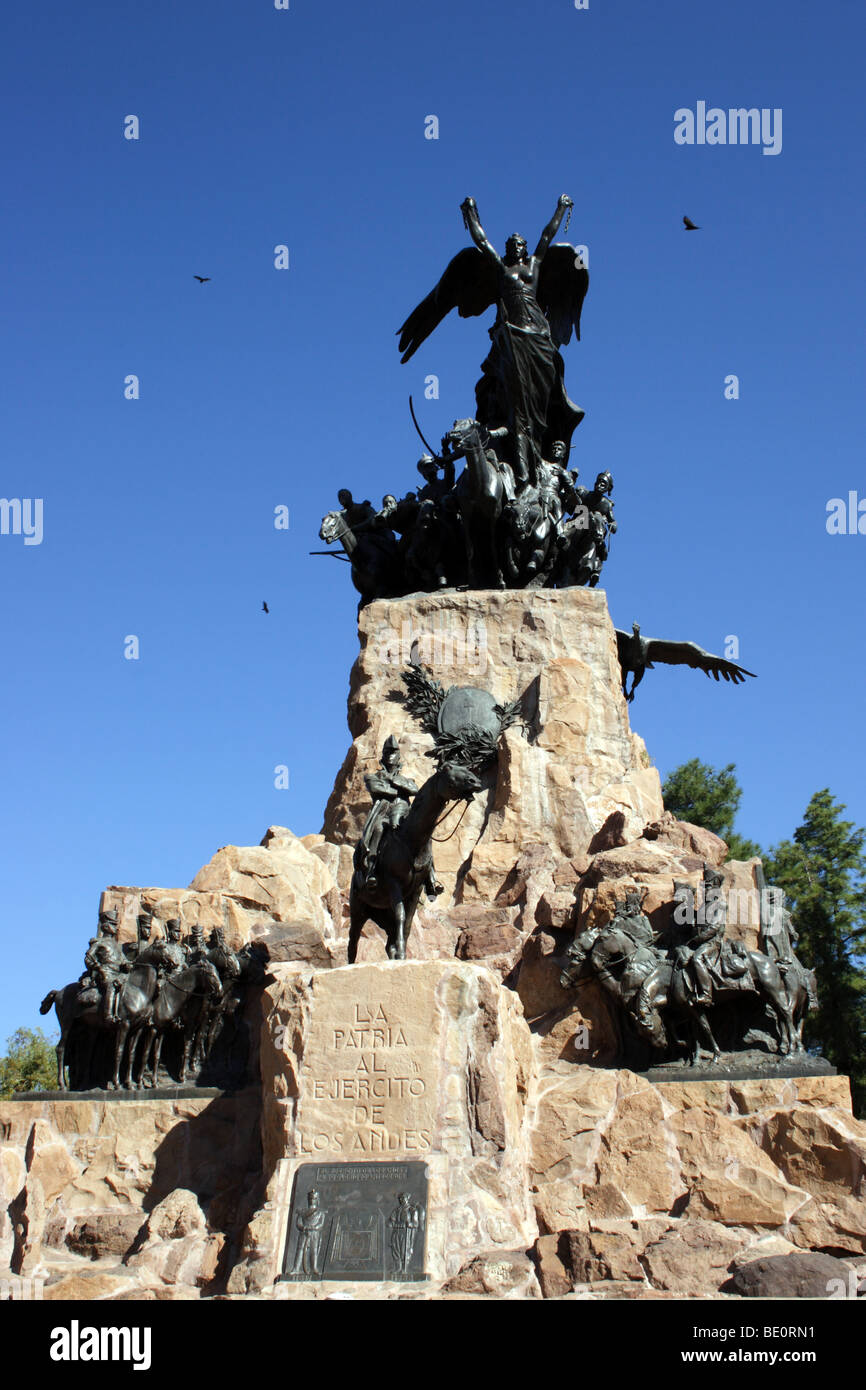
{"x":637,"y":655}
{"x":538,"y":301}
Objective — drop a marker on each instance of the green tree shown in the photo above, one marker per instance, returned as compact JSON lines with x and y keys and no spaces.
{"x":709,"y":797}
{"x":823,"y":871}
{"x":30,"y":1063}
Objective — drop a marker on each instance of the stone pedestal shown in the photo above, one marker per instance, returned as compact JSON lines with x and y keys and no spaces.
{"x":569,"y":767}
{"x":427,"y":1061}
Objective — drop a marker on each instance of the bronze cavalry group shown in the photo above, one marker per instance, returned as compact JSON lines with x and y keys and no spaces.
{"x":153,"y":1009}
{"x":484,"y":530}
{"x":677,"y":988}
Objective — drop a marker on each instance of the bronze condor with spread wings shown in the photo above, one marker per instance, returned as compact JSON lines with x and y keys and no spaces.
{"x":637,"y":654}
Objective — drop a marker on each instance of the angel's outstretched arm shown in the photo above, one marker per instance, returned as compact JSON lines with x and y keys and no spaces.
{"x":553,"y":225}
{"x":469,"y":208}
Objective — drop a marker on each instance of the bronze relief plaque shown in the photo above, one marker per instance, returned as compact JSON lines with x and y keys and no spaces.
{"x":357,"y":1221}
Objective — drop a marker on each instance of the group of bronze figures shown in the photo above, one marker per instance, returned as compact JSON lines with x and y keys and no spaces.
{"x":515,"y":517}
{"x":161,"y":1008}
{"x":404,"y":1225}
{"x":482,"y":531}
{"x":690,"y":987}
{"x":393,"y":860}
{"x":680,"y":992}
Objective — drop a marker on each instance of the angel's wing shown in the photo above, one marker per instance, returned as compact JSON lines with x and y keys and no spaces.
{"x":562,"y":284}
{"x":690,"y":654}
{"x":468,"y":285}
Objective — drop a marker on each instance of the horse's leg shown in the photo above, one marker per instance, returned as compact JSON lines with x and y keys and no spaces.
{"x":208,"y":1033}
{"x":466,"y":523}
{"x":357,"y":919}
{"x":133,"y":1035}
{"x":216,"y":1026}
{"x":397,"y":935}
{"x":784,"y":1010}
{"x":799,"y":1009}
{"x":148,"y":1043}
{"x":201,"y":1033}
{"x":491,"y":499}
{"x":188,"y":1034}
{"x":694,"y":1043}
{"x":60,"y":1049}
{"x":496,"y":566}
{"x":770,"y":983}
{"x":704,"y":1030}
{"x":199,"y":1024}
{"x":87,"y":1050}
{"x":784,"y":1019}
{"x":159,"y":1034}
{"x":120,"y":1035}
{"x":409,"y":914}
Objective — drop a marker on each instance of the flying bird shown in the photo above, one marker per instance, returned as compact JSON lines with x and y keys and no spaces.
{"x":202,"y":279}
{"x":265,"y":608}
{"x":690,"y":226}
{"x":637,"y":655}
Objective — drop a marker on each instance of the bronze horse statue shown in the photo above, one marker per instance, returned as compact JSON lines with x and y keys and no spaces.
{"x":372,"y":554}
{"x":138,"y":1005}
{"x":190,"y":999}
{"x":404,"y":862}
{"x":482,"y":491}
{"x":648,"y":984}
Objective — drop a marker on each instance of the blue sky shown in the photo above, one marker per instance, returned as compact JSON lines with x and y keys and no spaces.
{"x":305,"y":127}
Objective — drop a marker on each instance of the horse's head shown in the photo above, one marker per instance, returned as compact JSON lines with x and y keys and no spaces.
{"x":332,"y":527}
{"x":576,"y":958}
{"x":461,"y":434}
{"x":209,"y":980}
{"x":228,"y":966}
{"x":458,"y":783}
{"x":650,"y":1026}
{"x":253,"y":959}
{"x":142,"y":977}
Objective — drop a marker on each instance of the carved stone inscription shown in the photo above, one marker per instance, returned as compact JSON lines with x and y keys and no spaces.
{"x":357,"y":1221}
{"x":370,"y":1076}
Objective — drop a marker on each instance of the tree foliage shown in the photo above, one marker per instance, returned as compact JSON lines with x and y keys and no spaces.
{"x":30,"y":1063}
{"x":709,"y":797}
{"x":823,"y":871}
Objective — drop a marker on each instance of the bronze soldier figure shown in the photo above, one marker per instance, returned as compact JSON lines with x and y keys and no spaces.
{"x":391,"y":793}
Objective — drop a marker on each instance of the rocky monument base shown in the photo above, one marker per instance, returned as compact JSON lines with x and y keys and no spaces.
{"x":493,"y":1125}
{"x":545,"y":1177}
